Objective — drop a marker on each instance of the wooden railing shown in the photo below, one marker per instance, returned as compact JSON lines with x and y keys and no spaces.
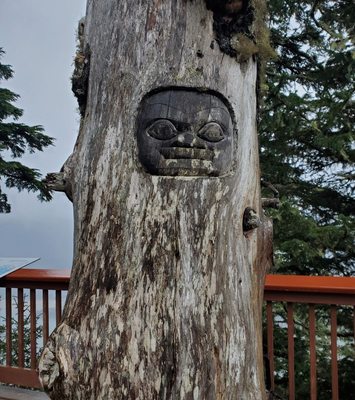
{"x":311,"y":291}
{"x":29,"y":315}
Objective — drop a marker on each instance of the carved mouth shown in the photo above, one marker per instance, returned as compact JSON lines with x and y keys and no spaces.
{"x":187,"y":167}
{"x":186,"y":153}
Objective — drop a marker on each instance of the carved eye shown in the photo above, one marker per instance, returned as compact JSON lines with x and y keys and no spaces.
{"x":212,"y":132}
{"x":162,"y":129}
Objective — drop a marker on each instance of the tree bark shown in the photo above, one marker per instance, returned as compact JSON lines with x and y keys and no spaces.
{"x":166,"y":290}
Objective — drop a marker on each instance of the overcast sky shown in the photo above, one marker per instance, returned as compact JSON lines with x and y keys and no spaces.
{"x":38,"y":37}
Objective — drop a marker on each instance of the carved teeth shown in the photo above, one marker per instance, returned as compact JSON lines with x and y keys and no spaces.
{"x":186,"y":153}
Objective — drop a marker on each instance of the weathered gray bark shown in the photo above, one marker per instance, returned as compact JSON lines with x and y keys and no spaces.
{"x":166,"y":289}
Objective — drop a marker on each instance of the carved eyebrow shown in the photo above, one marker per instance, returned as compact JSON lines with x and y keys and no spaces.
{"x":209,"y":109}
{"x":224,"y":111}
{"x":189,"y":113}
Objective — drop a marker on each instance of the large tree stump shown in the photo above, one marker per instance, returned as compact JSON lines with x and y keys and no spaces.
{"x":166,"y":290}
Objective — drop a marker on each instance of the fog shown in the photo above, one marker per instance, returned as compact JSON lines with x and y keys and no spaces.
{"x":39,"y":38}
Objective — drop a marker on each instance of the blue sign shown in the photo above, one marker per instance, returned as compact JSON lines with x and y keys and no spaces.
{"x":8,"y":265}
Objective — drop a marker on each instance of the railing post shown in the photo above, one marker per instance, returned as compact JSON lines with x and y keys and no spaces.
{"x":8,"y":327}
{"x":45,"y":317}
{"x":270,"y":343}
{"x":20,"y":340}
{"x":33,"y":328}
{"x":291,"y":352}
{"x":58,"y":306}
{"x":333,"y":325}
{"x":312,"y":351}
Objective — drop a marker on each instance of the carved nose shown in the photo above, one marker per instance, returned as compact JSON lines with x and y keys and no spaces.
{"x":185,"y":140}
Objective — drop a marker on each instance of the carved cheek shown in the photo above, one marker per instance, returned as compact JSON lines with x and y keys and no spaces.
{"x":148,"y":149}
{"x":223,"y":154}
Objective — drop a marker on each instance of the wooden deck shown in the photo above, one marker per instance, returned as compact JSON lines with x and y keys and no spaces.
{"x":12,"y":393}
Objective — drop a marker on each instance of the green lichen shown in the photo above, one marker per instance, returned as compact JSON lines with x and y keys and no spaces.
{"x":262,"y":40}
{"x":260,"y":30}
{"x":244,"y":47}
{"x":243,"y":34}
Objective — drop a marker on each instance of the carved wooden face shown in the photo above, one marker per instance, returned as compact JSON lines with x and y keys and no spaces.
{"x":185,"y":132}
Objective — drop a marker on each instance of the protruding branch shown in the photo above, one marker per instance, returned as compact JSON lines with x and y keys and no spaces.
{"x":270,"y":203}
{"x":251,"y":220}
{"x":56,"y":181}
{"x":270,"y":186}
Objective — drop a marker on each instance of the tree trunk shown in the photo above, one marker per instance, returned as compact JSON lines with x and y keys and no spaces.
{"x":166,"y":290}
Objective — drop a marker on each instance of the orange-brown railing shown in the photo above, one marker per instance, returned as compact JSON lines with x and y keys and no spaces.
{"x":40,"y":294}
{"x":311,"y":290}
{"x":26,"y":318}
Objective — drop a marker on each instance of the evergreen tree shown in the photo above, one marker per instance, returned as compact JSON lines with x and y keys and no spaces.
{"x":307,"y":153}
{"x":306,"y":135}
{"x":15,"y":139}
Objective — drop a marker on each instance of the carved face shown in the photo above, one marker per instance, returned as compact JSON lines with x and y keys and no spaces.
{"x":184,"y":132}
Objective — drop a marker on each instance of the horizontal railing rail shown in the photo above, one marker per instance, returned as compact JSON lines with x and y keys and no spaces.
{"x":310,"y":289}
{"x":39,"y":300}
{"x":51,"y":279}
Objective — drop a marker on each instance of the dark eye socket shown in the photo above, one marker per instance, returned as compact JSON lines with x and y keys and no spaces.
{"x":162,"y":129}
{"x":212,"y":132}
